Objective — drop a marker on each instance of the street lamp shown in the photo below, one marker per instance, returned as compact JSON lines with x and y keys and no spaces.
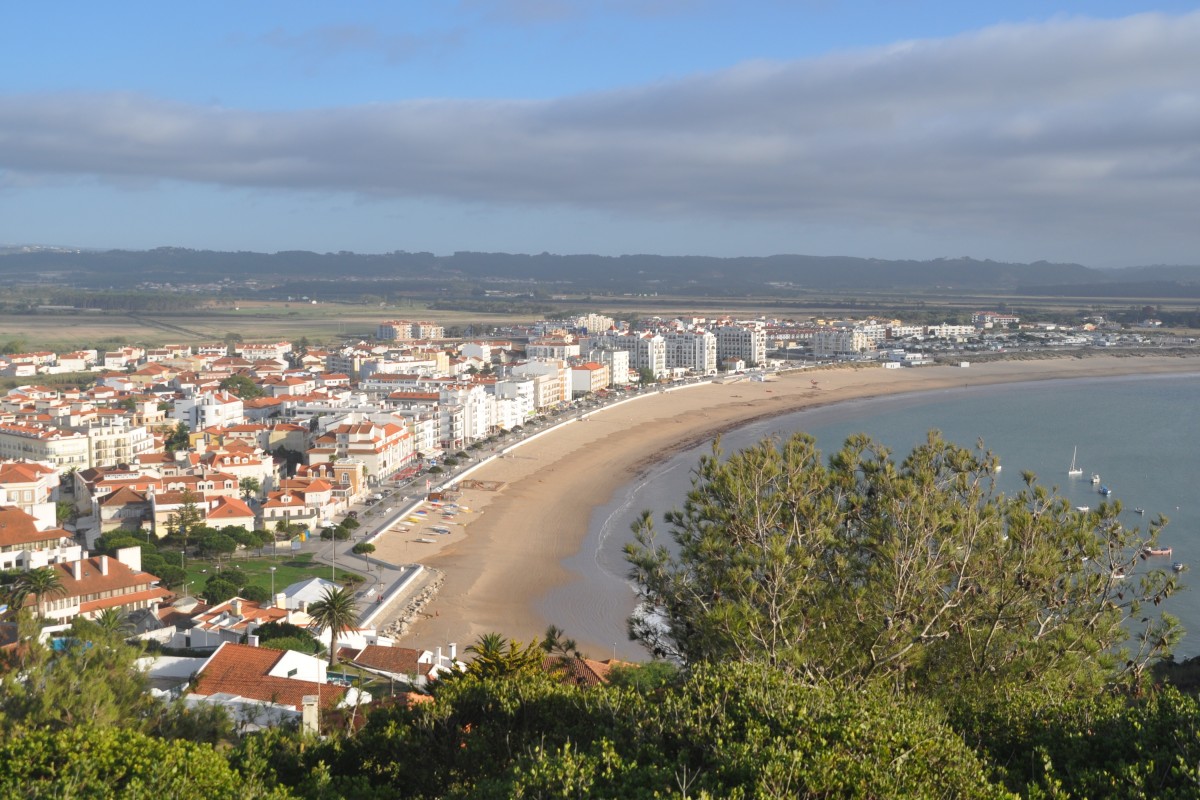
{"x":182,"y":561}
{"x":272,"y":586}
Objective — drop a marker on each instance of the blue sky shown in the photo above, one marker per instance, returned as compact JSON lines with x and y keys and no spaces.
{"x":1019,"y":131}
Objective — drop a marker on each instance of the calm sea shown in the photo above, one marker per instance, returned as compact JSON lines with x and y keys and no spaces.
{"x":1139,"y":434}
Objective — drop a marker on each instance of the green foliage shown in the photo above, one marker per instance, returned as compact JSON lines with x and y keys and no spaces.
{"x":255,"y":593}
{"x":497,"y":656}
{"x":241,"y":386}
{"x":738,"y":731}
{"x":218,"y":589}
{"x":363,"y":549}
{"x":916,"y":574}
{"x":217,"y":544}
{"x":90,"y":679}
{"x":187,"y":520}
{"x":178,"y":440}
{"x":297,"y":643}
{"x":95,"y":761}
{"x":644,"y":678}
{"x":1106,"y":745}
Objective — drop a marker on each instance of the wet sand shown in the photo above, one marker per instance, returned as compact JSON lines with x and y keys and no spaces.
{"x":538,"y":500}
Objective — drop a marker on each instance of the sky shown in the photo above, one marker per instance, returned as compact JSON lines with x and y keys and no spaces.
{"x":1016,"y":131}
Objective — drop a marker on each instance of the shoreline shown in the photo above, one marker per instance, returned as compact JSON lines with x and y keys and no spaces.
{"x":535,"y":507}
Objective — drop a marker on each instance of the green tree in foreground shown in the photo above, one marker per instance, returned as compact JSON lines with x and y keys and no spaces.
{"x":94,"y":761}
{"x":335,"y":612}
{"x":740,"y":731}
{"x":917,"y":574}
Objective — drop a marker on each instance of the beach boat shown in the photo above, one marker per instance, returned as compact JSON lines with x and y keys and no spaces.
{"x":424,"y":540}
{"x":440,"y":529}
{"x":1074,"y":470}
{"x":1095,"y":478}
{"x":1104,"y":490}
{"x":1158,"y":551}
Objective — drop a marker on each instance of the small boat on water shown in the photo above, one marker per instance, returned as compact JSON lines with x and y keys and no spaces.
{"x":1083,"y":509}
{"x":1095,"y":478}
{"x":1179,"y":566}
{"x":1104,"y":490}
{"x":1139,"y":510}
{"x":1158,"y":551}
{"x":1075,"y":469}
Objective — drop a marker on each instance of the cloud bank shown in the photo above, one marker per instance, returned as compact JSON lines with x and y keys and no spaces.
{"x":1071,"y":125}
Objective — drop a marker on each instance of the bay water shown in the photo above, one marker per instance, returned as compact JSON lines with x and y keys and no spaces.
{"x":1138,"y":433}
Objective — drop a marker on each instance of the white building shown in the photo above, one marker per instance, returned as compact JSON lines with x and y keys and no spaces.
{"x":694,"y":350}
{"x":209,"y":410}
{"x":62,"y":449}
{"x":748,"y":344}
{"x":841,"y":342}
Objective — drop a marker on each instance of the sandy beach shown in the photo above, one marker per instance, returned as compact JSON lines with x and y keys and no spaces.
{"x":535,"y":509}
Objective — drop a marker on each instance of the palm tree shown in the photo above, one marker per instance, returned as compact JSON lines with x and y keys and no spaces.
{"x":39,"y":583}
{"x":114,"y":621}
{"x":498,"y":657}
{"x":557,"y":643}
{"x":336,"y":612}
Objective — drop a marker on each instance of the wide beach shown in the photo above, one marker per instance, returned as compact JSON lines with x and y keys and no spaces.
{"x":535,"y":509}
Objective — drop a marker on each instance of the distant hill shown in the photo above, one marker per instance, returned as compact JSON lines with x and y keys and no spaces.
{"x":781,"y":274}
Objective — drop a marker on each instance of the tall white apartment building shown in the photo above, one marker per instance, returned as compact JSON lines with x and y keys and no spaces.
{"x":592,"y":323}
{"x":647,"y":351}
{"x":692,"y":350}
{"x":116,"y":442}
{"x":745,"y":343}
{"x":516,"y":399}
{"x":841,"y":342}
{"x":209,"y":409}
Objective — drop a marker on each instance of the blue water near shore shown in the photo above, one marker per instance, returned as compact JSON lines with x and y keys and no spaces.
{"x":1138,"y":433}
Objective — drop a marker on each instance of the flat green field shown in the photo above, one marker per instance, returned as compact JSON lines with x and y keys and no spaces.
{"x":289,"y":569}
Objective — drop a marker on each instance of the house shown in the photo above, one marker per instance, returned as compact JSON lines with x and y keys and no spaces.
{"x":230,"y":621}
{"x":579,"y":671}
{"x":415,"y":667}
{"x":93,"y":585}
{"x":25,"y":544}
{"x":260,"y":687}
{"x":225,"y":511}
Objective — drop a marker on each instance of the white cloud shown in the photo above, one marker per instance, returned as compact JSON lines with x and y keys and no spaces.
{"x":1077,"y":126}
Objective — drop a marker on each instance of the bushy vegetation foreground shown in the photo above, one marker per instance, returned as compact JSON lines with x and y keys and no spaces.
{"x":855,"y":627}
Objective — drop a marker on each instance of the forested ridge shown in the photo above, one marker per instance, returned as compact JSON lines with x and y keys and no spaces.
{"x":857,"y":625}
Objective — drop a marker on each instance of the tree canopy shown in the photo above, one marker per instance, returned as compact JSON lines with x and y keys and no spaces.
{"x":918,"y":573}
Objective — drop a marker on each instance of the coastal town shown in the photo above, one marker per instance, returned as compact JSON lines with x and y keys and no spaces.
{"x":265,"y":467}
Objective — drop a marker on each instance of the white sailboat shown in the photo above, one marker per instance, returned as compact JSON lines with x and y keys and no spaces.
{"x":1074,"y":470}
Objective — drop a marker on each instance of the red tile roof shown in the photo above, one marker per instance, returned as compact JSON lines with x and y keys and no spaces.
{"x":243,"y":670}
